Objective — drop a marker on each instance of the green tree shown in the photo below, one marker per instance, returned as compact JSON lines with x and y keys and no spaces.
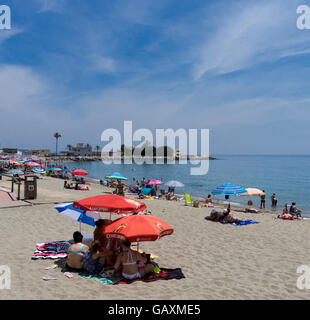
{"x":57,"y":135}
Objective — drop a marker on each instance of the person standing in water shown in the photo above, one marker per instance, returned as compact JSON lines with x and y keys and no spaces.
{"x":262,"y":200}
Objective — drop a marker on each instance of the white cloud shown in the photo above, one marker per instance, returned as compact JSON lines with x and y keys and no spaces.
{"x":248,"y":34}
{"x":51,"y":5}
{"x":102,"y":64}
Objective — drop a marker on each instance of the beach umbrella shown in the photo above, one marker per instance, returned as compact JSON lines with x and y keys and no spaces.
{"x":38,"y":170}
{"x":32,"y":164}
{"x":79,"y":172}
{"x":174,"y":184}
{"x":138,"y":228}
{"x":117,"y":176}
{"x":16,"y":163}
{"x":65,"y":170}
{"x":14,"y":171}
{"x":151,"y":182}
{"x":228,"y":189}
{"x":79,"y":215}
{"x":251,"y":192}
{"x":54,"y":169}
{"x":110,"y":203}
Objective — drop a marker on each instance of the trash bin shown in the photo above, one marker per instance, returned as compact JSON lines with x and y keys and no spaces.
{"x":30,"y":188}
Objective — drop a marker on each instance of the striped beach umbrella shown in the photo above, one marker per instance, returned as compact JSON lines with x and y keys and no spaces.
{"x":82,"y":216}
{"x":116,"y":176}
{"x":228,"y":189}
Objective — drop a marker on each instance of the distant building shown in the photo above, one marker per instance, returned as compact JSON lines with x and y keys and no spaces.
{"x":35,"y":152}
{"x":81,"y":149}
{"x":9,"y":150}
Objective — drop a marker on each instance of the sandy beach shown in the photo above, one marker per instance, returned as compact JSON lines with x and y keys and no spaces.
{"x":219,"y":261}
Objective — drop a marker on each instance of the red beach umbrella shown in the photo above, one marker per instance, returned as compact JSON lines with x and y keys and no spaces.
{"x":110,"y":203}
{"x":79,"y":172}
{"x":138,"y":228}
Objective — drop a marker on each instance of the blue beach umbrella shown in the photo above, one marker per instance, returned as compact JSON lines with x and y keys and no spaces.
{"x":54,"y":169}
{"x":38,"y":170}
{"x":117,"y":176}
{"x":228,"y":189}
{"x":65,"y":170}
{"x":82,"y":216}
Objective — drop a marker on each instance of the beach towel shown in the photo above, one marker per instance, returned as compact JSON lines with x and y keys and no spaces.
{"x":165,"y":274}
{"x":51,"y":250}
{"x":99,"y":278}
{"x":240,"y":223}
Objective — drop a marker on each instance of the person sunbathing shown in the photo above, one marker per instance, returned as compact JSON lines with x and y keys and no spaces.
{"x":132,"y":264}
{"x":170,"y":196}
{"x":83,"y":187}
{"x":209,"y":202}
{"x":252,"y":210}
{"x":92,"y":259}
{"x":75,"y":253}
{"x":224,"y":216}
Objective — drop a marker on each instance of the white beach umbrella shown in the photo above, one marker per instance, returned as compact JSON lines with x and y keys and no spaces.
{"x":174,"y":184}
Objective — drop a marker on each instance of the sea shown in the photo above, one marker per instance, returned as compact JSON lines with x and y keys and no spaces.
{"x":285,"y":175}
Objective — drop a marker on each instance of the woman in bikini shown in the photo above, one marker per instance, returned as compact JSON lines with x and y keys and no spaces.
{"x":133,"y":264}
{"x":76,"y":252}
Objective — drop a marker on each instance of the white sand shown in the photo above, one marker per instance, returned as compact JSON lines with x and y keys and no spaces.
{"x":219,"y":261}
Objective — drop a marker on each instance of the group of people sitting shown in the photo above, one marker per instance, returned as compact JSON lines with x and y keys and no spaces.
{"x":107,"y":253}
{"x":290,"y":213}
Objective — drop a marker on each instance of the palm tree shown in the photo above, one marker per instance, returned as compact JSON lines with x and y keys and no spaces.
{"x":97,"y":148}
{"x":57,"y":136}
{"x":69,"y":147}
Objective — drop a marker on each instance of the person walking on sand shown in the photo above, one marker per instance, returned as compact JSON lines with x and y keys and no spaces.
{"x":262,"y":200}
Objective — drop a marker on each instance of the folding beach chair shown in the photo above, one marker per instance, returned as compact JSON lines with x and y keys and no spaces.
{"x":188,"y":199}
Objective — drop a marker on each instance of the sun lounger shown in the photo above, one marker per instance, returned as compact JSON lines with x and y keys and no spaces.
{"x":188,"y":199}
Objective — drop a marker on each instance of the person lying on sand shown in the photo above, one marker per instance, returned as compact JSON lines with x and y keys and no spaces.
{"x":252,"y":210}
{"x":132,"y":264}
{"x":75,"y":253}
{"x":224,"y":216}
{"x":68,"y":185}
{"x":83,"y":187}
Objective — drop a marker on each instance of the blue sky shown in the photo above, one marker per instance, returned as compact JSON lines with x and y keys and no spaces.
{"x":238,"y":68}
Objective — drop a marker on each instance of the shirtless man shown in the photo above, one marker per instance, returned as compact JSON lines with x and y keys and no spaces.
{"x":76,"y":252}
{"x":133,"y":264}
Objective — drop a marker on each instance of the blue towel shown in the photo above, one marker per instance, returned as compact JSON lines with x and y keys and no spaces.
{"x":241,"y":223}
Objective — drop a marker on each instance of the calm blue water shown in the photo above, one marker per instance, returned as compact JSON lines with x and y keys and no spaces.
{"x":286,"y":176}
